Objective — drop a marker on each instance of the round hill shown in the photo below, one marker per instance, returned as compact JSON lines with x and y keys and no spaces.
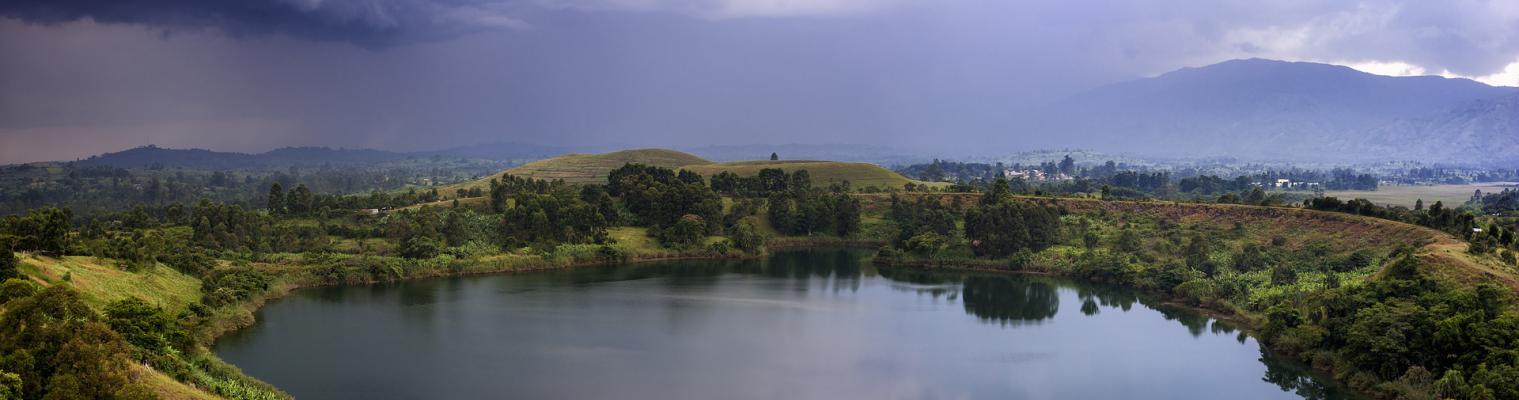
{"x":590,"y":168}
{"x":823,"y":173}
{"x":594,"y":168}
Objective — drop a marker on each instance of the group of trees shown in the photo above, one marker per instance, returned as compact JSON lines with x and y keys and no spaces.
{"x":551,"y":214}
{"x":924,"y":226}
{"x":53,"y":346}
{"x":661,"y":198}
{"x":1000,"y":226}
{"x":997,"y":226}
{"x":1420,"y":335}
{"x":798,"y":208}
{"x":42,"y":230}
{"x":93,"y":189}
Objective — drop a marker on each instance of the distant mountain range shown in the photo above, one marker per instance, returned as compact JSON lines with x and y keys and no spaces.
{"x":150,"y":156}
{"x":1249,"y":110}
{"x":1275,"y":110}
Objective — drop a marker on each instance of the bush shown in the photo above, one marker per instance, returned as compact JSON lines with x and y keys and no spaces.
{"x":747,"y":237}
{"x":419,"y":247}
{"x":230,"y":286}
{"x":146,"y":326}
{"x":8,"y":262}
{"x":926,"y":244}
{"x":684,"y":234}
{"x":15,"y":289}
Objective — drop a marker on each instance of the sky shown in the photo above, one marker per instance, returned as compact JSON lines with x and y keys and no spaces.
{"x":81,"y":77}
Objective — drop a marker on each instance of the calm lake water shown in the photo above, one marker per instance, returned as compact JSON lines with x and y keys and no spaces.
{"x":800,"y":325}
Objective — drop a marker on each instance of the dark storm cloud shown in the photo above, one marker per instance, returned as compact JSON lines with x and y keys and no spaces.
{"x":368,"y":23}
{"x":81,"y":77}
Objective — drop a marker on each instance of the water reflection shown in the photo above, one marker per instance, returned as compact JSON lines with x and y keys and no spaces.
{"x":1009,"y":300}
{"x":1291,"y":377}
{"x":825,"y":324}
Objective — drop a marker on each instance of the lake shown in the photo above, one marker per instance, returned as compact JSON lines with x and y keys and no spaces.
{"x":820,"y":324}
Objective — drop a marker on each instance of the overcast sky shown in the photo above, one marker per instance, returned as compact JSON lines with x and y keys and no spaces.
{"x":80,"y":77}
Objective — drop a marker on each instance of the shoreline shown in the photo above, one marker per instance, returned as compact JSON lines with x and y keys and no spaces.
{"x":244,"y":313}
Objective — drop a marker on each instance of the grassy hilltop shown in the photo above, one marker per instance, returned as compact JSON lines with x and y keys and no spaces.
{"x":823,"y":173}
{"x":593,"y":169}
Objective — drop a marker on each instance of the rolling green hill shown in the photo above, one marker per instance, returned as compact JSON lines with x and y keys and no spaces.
{"x":823,"y":173}
{"x":593,"y":168}
{"x":587,"y":168}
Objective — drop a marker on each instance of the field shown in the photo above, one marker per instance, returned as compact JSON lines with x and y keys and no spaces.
{"x":1451,"y":195}
{"x":823,"y":173}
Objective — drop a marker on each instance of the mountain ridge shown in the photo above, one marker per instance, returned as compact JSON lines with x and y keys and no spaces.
{"x":1251,"y":108}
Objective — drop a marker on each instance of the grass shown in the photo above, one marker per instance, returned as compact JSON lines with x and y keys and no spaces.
{"x":823,"y":173}
{"x":100,"y":282}
{"x":165,"y":386}
{"x":1402,"y":195}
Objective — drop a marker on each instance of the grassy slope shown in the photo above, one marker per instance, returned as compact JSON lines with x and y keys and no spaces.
{"x":1442,"y":253}
{"x":99,"y":283}
{"x":823,"y":173}
{"x":1399,"y":195}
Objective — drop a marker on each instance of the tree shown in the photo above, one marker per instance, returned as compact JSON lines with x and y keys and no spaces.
{"x":926,"y":244}
{"x":685,"y":233}
{"x":8,"y":262}
{"x":55,"y":343}
{"x":998,"y":192}
{"x":44,"y":230}
{"x":1004,"y":228}
{"x":846,"y":215}
{"x":746,"y":236}
{"x":774,"y":157}
{"x":299,"y":201}
{"x":276,"y":202}
{"x":419,"y":247}
{"x":144,"y":325}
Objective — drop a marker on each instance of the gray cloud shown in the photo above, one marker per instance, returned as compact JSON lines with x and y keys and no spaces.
{"x":257,"y":74}
{"x":369,"y":23}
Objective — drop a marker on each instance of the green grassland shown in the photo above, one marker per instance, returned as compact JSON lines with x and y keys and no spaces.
{"x":101,"y":281}
{"x":1406,"y":195}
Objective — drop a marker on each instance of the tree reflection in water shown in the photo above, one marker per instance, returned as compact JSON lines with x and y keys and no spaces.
{"x":1009,"y":300}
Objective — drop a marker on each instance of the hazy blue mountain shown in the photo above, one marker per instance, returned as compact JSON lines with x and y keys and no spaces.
{"x":151,"y":156}
{"x":503,"y":151}
{"x":1251,"y":109}
{"x":796,"y":151}
{"x":1476,"y":132}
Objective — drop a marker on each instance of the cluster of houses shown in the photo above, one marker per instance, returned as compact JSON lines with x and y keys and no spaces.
{"x":1288,"y":184}
{"x":1034,"y":175}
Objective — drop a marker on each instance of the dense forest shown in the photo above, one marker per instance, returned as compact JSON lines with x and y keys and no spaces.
{"x":90,"y":189}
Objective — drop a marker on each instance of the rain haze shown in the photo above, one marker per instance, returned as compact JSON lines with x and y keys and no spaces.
{"x":80,"y":77}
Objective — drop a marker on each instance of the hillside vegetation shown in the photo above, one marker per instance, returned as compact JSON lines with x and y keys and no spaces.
{"x":593,"y":169}
{"x":824,"y":173}
{"x":587,"y":168}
